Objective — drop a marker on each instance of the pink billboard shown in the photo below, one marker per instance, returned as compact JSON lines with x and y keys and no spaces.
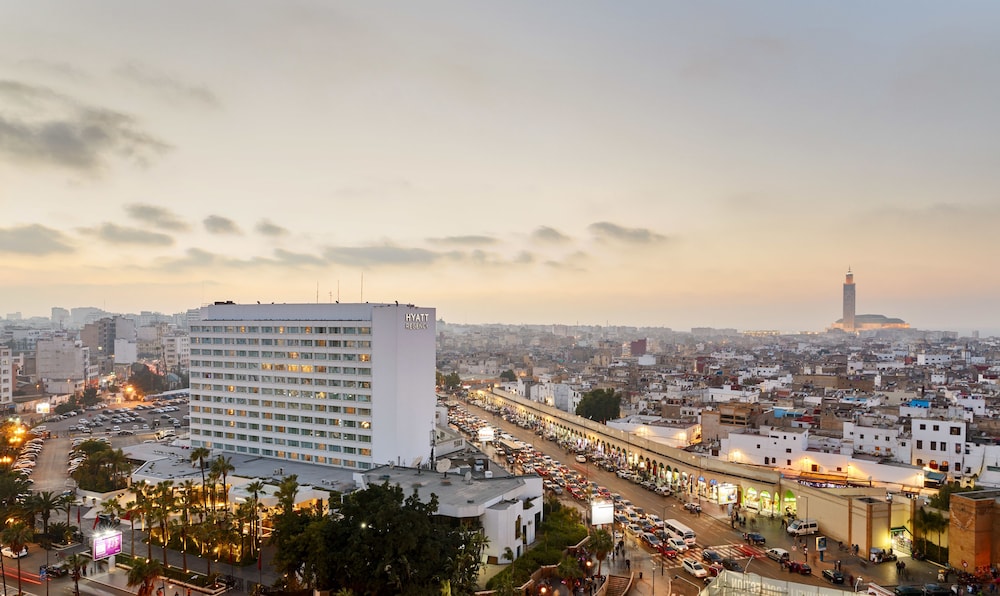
{"x":107,"y":545}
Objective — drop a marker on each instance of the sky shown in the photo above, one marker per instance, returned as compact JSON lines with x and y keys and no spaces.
{"x":659,"y":163}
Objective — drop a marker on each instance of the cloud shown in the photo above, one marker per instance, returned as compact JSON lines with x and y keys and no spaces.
{"x":33,"y":240}
{"x":266,"y":228}
{"x":608,"y":231}
{"x":386,"y":254}
{"x":464,"y":240}
{"x":195,"y":258}
{"x":216,"y":224}
{"x":156,"y":216}
{"x":115,"y":234}
{"x":40,"y":126}
{"x":285,"y":257}
{"x":169,"y":88}
{"x":574,"y":262}
{"x":63,"y":70}
{"x":550,"y":235}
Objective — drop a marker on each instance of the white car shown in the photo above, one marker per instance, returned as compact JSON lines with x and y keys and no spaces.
{"x":695,"y":568}
{"x":10,"y":554}
{"x":677,"y":544}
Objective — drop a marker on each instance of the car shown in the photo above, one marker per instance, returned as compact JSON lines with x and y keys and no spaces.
{"x":710,"y":556}
{"x":833,"y":576}
{"x":800,"y":568}
{"x":695,"y":568}
{"x":667,"y":551}
{"x":57,"y":570}
{"x":731,"y":564}
{"x":581,"y":459}
{"x":663,"y":490}
{"x":908,"y":590}
{"x":651,"y":540}
{"x":123,"y":433}
{"x":693,"y":507}
{"x":677,"y":544}
{"x":754,"y":538}
{"x":10,"y":554}
{"x":880,"y":555}
{"x":778,"y":554}
{"x":936,"y":590}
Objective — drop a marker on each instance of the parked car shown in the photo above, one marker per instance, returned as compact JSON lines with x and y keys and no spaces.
{"x":880,"y":555}
{"x":693,"y":507}
{"x":10,"y":554}
{"x":800,"y":568}
{"x":833,"y":576}
{"x":695,"y":568}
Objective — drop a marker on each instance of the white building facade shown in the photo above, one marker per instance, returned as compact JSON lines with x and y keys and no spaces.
{"x":7,"y":379}
{"x":346,"y":385}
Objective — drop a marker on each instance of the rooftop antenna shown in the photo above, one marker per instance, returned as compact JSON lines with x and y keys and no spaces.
{"x":362,"y":286}
{"x":317,"y":292}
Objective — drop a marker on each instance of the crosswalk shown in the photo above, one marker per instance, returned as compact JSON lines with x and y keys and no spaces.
{"x":726,"y":551}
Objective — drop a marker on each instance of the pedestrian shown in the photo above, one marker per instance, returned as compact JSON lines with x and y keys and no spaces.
{"x":628,"y":564}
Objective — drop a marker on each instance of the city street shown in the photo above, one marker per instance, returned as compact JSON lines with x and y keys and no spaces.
{"x":714,"y":532}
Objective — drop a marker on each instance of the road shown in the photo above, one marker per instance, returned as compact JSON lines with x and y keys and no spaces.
{"x":712,"y":526}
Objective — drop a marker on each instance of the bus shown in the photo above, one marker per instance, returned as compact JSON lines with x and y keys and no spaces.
{"x":679,"y":530}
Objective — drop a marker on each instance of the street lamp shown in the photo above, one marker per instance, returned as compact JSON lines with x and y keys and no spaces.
{"x":857,"y":582}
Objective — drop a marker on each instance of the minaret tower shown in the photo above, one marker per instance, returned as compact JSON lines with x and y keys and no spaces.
{"x":849,"y":301}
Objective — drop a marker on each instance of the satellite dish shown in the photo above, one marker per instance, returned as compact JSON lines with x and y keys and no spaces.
{"x":468,"y":477}
{"x":416,"y":461}
{"x":444,"y":465}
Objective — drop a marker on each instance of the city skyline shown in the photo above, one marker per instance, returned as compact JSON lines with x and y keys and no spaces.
{"x":656,"y":164}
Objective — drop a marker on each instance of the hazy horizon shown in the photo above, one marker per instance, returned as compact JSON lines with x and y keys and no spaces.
{"x":666,"y":164}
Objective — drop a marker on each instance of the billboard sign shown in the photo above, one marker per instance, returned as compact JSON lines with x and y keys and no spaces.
{"x":602,"y":512}
{"x":106,"y":545}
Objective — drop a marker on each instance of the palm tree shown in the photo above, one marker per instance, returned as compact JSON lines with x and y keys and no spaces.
{"x":17,"y":536}
{"x":165,"y":501}
{"x":67,"y":502}
{"x":44,"y":503}
{"x":200,"y":454}
{"x":113,"y":508}
{"x":222,"y":466}
{"x":255,"y":488}
{"x":569,"y":567}
{"x":76,"y":563}
{"x":118,"y":465}
{"x":143,"y":574}
{"x":186,"y":505}
{"x":601,"y":544}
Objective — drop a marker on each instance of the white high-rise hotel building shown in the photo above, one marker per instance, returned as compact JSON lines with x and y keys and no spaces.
{"x":348,"y":385}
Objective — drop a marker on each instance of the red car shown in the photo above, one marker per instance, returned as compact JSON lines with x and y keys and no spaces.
{"x":667,"y":551}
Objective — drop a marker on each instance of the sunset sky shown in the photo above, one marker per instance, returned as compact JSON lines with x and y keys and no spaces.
{"x":633,"y":163}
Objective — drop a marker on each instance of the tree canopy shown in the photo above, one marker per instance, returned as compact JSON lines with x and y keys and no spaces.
{"x":380,"y":542}
{"x":508,"y":375}
{"x":600,"y":405}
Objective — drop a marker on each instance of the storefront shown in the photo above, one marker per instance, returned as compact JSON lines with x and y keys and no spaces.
{"x":902,"y":540}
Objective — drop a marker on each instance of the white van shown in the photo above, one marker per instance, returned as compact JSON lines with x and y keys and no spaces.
{"x":679,"y":530}
{"x":801,"y":527}
{"x":167,"y":432}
